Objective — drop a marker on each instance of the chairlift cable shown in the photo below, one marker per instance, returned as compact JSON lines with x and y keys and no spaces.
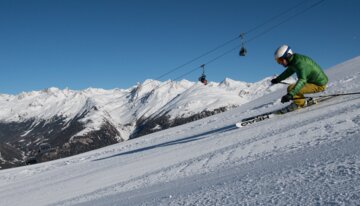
{"x":286,"y":20}
{"x":274,"y":17}
{"x":230,"y":41}
{"x":235,"y":48}
{"x":266,"y":31}
{"x":242,"y":36}
{"x":197,"y":58}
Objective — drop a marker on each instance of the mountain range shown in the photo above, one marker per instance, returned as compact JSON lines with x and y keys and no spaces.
{"x":53,"y":123}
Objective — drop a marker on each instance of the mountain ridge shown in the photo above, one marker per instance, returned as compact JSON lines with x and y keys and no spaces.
{"x":73,"y":121}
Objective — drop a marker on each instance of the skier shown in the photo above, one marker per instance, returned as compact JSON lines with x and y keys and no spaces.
{"x":311,"y":78}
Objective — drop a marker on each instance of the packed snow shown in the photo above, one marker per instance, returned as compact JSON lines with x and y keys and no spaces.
{"x":308,"y":157}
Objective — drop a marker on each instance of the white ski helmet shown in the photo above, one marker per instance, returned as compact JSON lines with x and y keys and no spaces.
{"x":282,"y":52}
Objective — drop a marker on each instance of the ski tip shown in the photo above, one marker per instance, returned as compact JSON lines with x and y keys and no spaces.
{"x":239,"y":125}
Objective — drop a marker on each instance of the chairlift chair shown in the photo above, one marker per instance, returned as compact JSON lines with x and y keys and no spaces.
{"x":243,"y":51}
{"x":202,"y":78}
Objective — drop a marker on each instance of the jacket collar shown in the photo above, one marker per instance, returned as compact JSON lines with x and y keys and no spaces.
{"x":290,"y":59}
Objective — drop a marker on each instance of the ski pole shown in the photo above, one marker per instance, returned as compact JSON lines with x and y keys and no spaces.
{"x":280,"y":83}
{"x":330,"y":95}
{"x":340,"y":94}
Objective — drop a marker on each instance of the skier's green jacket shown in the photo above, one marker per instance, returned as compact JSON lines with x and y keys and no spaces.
{"x":306,"y":70}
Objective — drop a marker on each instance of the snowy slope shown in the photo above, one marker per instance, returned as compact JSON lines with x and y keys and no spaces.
{"x":308,"y":157}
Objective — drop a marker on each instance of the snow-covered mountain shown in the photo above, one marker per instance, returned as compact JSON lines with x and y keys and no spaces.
{"x":306,"y":157}
{"x":71,"y":122}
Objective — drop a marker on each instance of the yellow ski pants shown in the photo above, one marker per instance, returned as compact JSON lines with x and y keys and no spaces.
{"x":308,"y":88}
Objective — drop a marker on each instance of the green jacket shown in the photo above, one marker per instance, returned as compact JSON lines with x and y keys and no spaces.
{"x":306,"y":70}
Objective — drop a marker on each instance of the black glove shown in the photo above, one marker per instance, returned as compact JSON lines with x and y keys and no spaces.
{"x":286,"y":98}
{"x":274,"y":81}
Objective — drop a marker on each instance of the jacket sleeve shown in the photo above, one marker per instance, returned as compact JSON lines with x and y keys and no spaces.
{"x":300,"y":83}
{"x":288,"y":72}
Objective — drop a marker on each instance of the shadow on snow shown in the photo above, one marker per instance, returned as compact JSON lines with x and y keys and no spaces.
{"x":174,"y":142}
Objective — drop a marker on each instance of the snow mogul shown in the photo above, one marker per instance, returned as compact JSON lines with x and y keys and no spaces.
{"x":311,"y":78}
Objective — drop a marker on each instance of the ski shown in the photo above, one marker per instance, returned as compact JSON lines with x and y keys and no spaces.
{"x":261,"y":117}
{"x":254,"y":119}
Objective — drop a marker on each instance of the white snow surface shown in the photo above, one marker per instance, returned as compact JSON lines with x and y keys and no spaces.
{"x":307,"y":157}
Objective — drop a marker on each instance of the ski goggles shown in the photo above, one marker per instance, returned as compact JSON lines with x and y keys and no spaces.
{"x":279,"y":60}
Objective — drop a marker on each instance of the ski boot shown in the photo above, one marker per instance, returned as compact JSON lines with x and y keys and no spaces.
{"x":291,"y":107}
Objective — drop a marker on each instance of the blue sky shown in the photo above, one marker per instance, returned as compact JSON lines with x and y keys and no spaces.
{"x":108,"y":44}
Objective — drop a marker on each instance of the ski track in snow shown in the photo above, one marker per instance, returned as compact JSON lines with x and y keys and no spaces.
{"x":307,"y":157}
